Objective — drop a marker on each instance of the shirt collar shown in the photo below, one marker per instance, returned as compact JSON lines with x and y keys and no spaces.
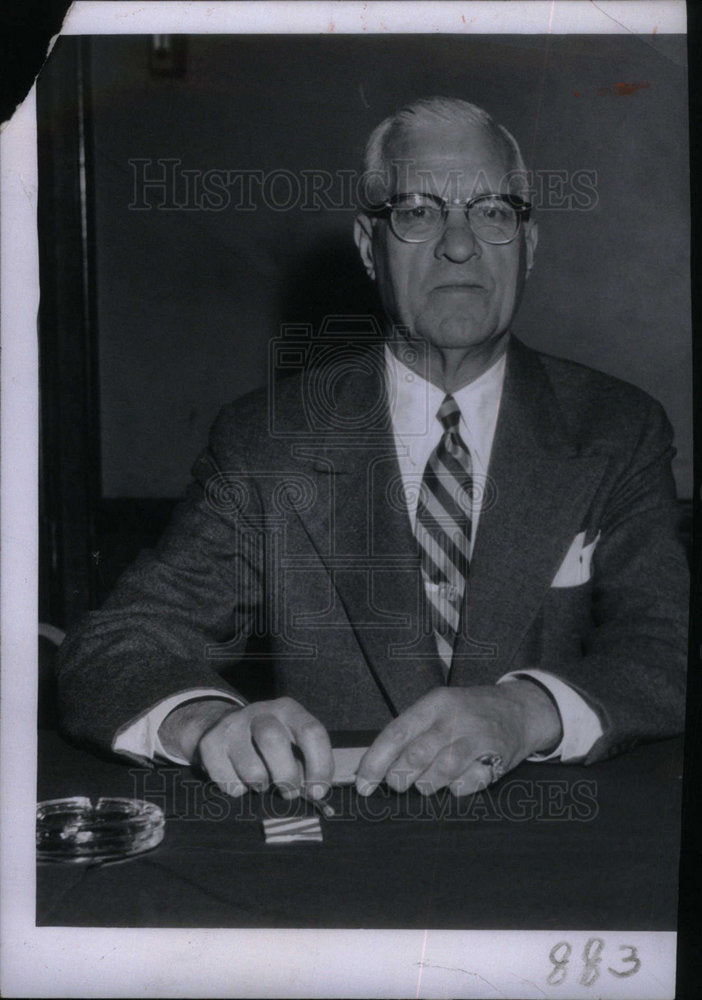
{"x":414,"y":402}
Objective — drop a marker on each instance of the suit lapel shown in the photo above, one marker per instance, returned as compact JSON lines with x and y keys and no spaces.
{"x":362,"y":533}
{"x":538,"y":491}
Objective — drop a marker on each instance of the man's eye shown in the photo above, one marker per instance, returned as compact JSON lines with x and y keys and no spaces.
{"x":492,"y":212}
{"x":417,"y":211}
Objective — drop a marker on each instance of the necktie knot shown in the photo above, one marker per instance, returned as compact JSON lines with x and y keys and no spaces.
{"x":449,"y":413}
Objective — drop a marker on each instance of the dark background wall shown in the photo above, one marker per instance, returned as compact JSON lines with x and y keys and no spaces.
{"x":187,"y":300}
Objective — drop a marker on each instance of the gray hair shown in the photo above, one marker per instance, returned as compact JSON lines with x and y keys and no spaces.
{"x":445,"y":111}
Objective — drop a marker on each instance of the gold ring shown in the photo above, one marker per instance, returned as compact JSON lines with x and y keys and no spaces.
{"x":495,"y":763}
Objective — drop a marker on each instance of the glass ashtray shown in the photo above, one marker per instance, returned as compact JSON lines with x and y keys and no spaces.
{"x":78,"y":831}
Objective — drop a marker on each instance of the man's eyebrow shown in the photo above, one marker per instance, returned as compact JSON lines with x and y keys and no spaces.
{"x":418,"y":194}
{"x":486,"y":193}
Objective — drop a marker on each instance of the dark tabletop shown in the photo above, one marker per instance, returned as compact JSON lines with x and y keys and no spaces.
{"x":550,"y":846}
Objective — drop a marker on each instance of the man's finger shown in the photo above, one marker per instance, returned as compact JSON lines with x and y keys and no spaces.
{"x":448,"y":765}
{"x":418,"y":755}
{"x":213,"y":753}
{"x":474,"y":779}
{"x":220,"y":769}
{"x":273,"y":742}
{"x":383,"y":752}
{"x":315,"y":745}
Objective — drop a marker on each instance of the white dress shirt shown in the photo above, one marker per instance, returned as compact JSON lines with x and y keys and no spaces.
{"x":413,"y":406}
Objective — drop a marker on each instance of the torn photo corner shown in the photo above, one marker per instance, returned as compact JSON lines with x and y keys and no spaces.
{"x":29,"y":33}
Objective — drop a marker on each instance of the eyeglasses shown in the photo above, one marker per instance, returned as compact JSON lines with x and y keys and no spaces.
{"x":416,"y":218}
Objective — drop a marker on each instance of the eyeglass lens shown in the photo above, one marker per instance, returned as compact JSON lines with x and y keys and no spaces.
{"x":416,"y":219}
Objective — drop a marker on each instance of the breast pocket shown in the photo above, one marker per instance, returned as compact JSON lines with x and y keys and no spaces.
{"x":576,"y":568}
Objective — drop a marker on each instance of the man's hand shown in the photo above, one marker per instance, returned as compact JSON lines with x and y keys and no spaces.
{"x":252,"y":747}
{"x":439,"y":740}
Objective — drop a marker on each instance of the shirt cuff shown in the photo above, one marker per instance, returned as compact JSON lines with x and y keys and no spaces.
{"x":580,"y":724}
{"x":141,"y":739}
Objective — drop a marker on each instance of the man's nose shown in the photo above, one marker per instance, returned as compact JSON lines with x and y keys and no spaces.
{"x":458,"y":242}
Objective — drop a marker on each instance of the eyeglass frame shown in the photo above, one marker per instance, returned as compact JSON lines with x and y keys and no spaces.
{"x":520,"y":206}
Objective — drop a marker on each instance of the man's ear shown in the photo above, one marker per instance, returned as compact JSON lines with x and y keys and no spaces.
{"x":531,"y":239}
{"x":363,"y":235}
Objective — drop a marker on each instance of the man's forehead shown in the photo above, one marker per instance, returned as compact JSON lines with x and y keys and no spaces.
{"x":427,"y":156}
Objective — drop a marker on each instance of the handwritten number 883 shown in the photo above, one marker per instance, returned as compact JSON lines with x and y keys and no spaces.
{"x":592,"y":957}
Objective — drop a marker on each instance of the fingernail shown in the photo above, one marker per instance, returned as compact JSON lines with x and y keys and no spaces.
{"x":366,"y":787}
{"x":290,"y":793}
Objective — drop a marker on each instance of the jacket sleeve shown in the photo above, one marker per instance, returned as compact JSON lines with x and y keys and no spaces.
{"x":177,"y":616}
{"x":635,"y":652}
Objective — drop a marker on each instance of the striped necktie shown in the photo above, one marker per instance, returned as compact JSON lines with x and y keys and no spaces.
{"x":443,"y":529}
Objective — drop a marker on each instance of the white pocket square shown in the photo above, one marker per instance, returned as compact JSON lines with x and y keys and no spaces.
{"x":575,"y":568}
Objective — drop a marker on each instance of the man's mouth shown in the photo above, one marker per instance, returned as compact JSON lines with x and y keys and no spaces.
{"x":459,"y":286}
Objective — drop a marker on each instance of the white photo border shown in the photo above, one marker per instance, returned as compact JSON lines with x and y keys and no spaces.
{"x":151,"y":962}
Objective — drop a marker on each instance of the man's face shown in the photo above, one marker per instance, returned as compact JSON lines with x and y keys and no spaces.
{"x":453,"y":291}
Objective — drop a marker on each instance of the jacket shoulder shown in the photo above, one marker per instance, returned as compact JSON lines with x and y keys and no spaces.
{"x":596,"y":404}
{"x":577,"y":379}
{"x":257,"y":427}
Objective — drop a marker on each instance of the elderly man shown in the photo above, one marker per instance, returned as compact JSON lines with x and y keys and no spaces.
{"x":463,"y":544}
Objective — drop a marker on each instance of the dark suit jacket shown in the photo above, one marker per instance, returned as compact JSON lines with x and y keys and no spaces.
{"x":294,"y":530}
